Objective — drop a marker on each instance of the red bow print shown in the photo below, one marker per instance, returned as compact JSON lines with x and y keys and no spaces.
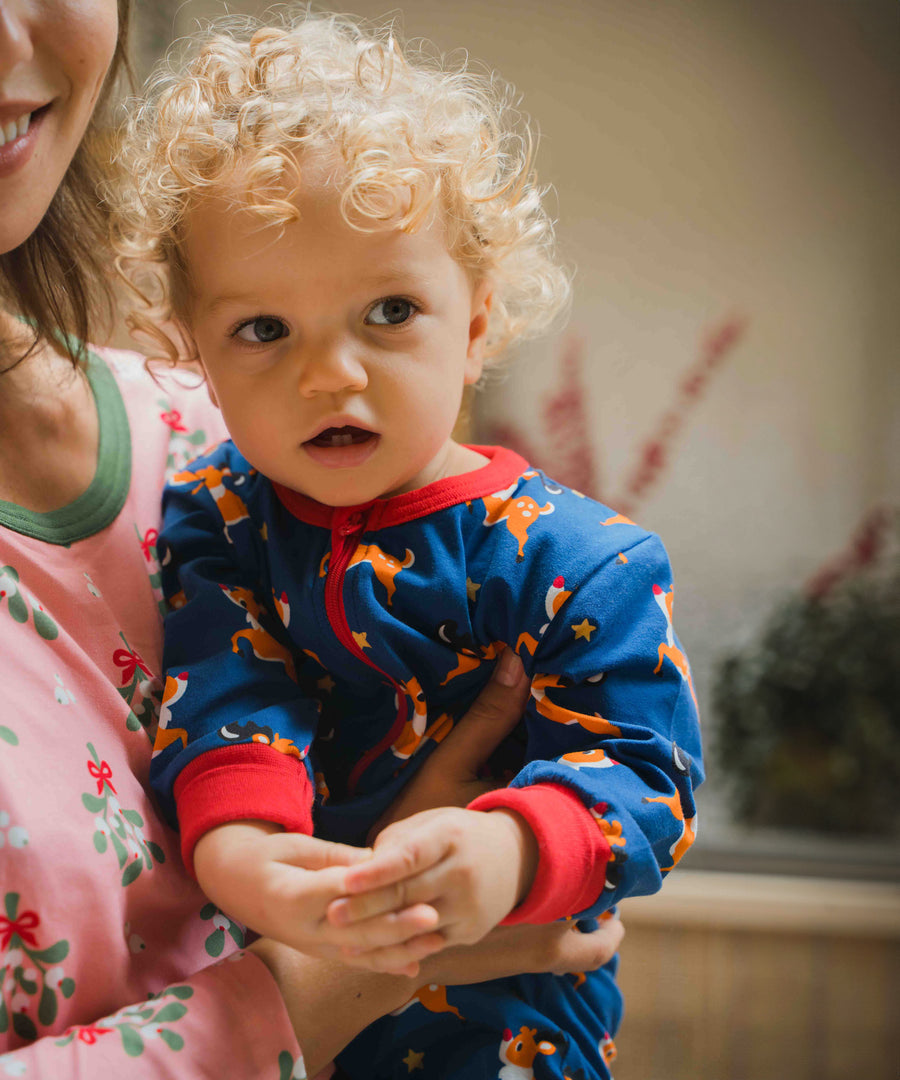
{"x":103,"y":775}
{"x":22,"y":926}
{"x":148,"y":542}
{"x":173,"y":419}
{"x":129,"y":662}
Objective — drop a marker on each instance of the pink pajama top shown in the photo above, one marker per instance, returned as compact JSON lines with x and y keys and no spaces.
{"x":112,"y":962}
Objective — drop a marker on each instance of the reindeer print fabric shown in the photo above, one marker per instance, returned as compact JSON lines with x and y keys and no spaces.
{"x":315,"y":655}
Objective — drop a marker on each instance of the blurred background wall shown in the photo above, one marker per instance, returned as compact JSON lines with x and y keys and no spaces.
{"x":726,"y":178}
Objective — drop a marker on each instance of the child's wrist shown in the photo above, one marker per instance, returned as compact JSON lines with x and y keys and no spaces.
{"x":524,"y":846}
{"x":218,"y":848}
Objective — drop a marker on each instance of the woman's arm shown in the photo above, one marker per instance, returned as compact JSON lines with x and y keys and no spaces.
{"x":228,"y":1020}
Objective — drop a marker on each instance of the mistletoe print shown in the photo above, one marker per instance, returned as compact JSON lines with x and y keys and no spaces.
{"x":221,"y":925}
{"x":138,"y":1023}
{"x":117,"y":827}
{"x":22,"y":605}
{"x":137,"y":685}
{"x":31,"y":977}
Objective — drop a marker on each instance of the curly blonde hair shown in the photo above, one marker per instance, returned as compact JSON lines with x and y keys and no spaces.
{"x":412,"y":135}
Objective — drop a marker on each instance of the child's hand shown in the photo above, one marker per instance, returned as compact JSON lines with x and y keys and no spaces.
{"x":472,"y":868}
{"x":280,"y":885}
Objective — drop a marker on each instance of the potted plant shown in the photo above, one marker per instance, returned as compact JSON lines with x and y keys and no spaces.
{"x":809,"y":714}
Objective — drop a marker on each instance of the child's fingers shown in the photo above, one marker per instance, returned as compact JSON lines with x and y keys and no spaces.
{"x":397,"y":859}
{"x":394,"y":928}
{"x":291,"y":894}
{"x":397,"y":959}
{"x":311,"y":853}
{"x":348,"y":910}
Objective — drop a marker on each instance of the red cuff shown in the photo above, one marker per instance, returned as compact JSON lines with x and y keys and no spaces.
{"x":572,"y":851}
{"x":249,"y":782}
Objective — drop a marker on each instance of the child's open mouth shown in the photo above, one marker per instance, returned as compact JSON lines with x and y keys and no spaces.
{"x":341,"y":447}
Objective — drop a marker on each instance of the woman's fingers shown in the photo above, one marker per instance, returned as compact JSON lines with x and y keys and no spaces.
{"x":493,"y":715}
{"x":556,"y":948}
{"x":587,"y":952}
{"x":450,"y":775}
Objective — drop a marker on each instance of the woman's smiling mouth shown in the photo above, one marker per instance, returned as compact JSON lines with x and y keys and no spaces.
{"x":18,"y":134}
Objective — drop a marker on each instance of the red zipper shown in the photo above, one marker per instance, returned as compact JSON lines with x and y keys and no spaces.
{"x":344,"y":540}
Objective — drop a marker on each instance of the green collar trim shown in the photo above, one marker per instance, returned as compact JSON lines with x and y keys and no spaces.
{"x":100,"y":504}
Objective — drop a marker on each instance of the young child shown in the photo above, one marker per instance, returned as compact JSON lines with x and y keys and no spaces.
{"x":346,"y":237}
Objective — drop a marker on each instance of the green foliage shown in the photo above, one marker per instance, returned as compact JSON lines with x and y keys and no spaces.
{"x":809,"y":714}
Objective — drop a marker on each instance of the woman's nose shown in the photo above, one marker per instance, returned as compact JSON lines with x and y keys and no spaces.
{"x":331,"y":368}
{"x":15,"y":36}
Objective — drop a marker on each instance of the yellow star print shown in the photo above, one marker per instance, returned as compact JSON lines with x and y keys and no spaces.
{"x":584,"y":630}
{"x":362,"y":642}
{"x":471,"y":588}
{"x":327,"y":684}
{"x":413,"y":1060}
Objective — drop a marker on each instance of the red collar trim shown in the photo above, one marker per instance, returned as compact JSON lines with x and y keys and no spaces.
{"x":503,"y":467}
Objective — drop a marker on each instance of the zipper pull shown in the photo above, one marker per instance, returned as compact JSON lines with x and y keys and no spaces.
{"x":351,"y":525}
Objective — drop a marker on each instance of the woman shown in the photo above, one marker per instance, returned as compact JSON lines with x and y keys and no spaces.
{"x":107,"y":948}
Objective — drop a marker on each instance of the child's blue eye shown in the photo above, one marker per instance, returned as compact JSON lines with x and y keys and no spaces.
{"x":264,"y":329}
{"x":391,"y":312}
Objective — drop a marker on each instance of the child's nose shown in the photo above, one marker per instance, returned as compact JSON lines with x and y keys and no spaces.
{"x":331,"y":368}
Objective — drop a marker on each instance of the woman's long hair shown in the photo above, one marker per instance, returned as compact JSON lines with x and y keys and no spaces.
{"x":58,"y":278}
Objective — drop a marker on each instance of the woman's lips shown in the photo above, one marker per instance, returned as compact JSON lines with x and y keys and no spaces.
{"x":19,"y":137}
{"x":342,"y":447}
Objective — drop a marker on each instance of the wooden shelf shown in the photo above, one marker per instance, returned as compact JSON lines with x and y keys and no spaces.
{"x":770,"y":902}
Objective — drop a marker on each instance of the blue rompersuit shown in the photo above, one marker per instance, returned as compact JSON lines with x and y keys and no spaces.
{"x":362,"y":633}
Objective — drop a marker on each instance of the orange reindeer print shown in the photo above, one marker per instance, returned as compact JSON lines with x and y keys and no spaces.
{"x":282,"y":608}
{"x":263,"y":645}
{"x":617,"y":519}
{"x":386,"y":567}
{"x":517,"y":1053}
{"x":469,"y":654}
{"x":414,"y":729}
{"x":554,"y":599}
{"x":417,"y":729}
{"x":231,"y":506}
{"x":173,"y":691}
{"x":668,"y":649}
{"x":264,"y":736}
{"x":519,"y":514}
{"x":588,"y":759}
{"x":433,"y":998}
{"x":608,"y":1050}
{"x":596,"y":724}
{"x":688,"y":830}
{"x":612,"y":830}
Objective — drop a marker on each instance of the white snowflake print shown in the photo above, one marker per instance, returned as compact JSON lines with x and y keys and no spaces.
{"x":62,"y":695}
{"x":14,"y":835}
{"x":92,"y":588}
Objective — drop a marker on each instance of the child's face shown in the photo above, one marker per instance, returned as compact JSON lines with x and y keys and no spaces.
{"x":338,"y":357}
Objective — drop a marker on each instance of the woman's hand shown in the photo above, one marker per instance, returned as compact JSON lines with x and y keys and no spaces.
{"x":557,"y":948}
{"x":329,"y":1004}
{"x":450,"y":775}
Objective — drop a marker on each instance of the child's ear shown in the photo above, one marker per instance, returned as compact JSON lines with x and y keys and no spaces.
{"x":482,"y":297}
